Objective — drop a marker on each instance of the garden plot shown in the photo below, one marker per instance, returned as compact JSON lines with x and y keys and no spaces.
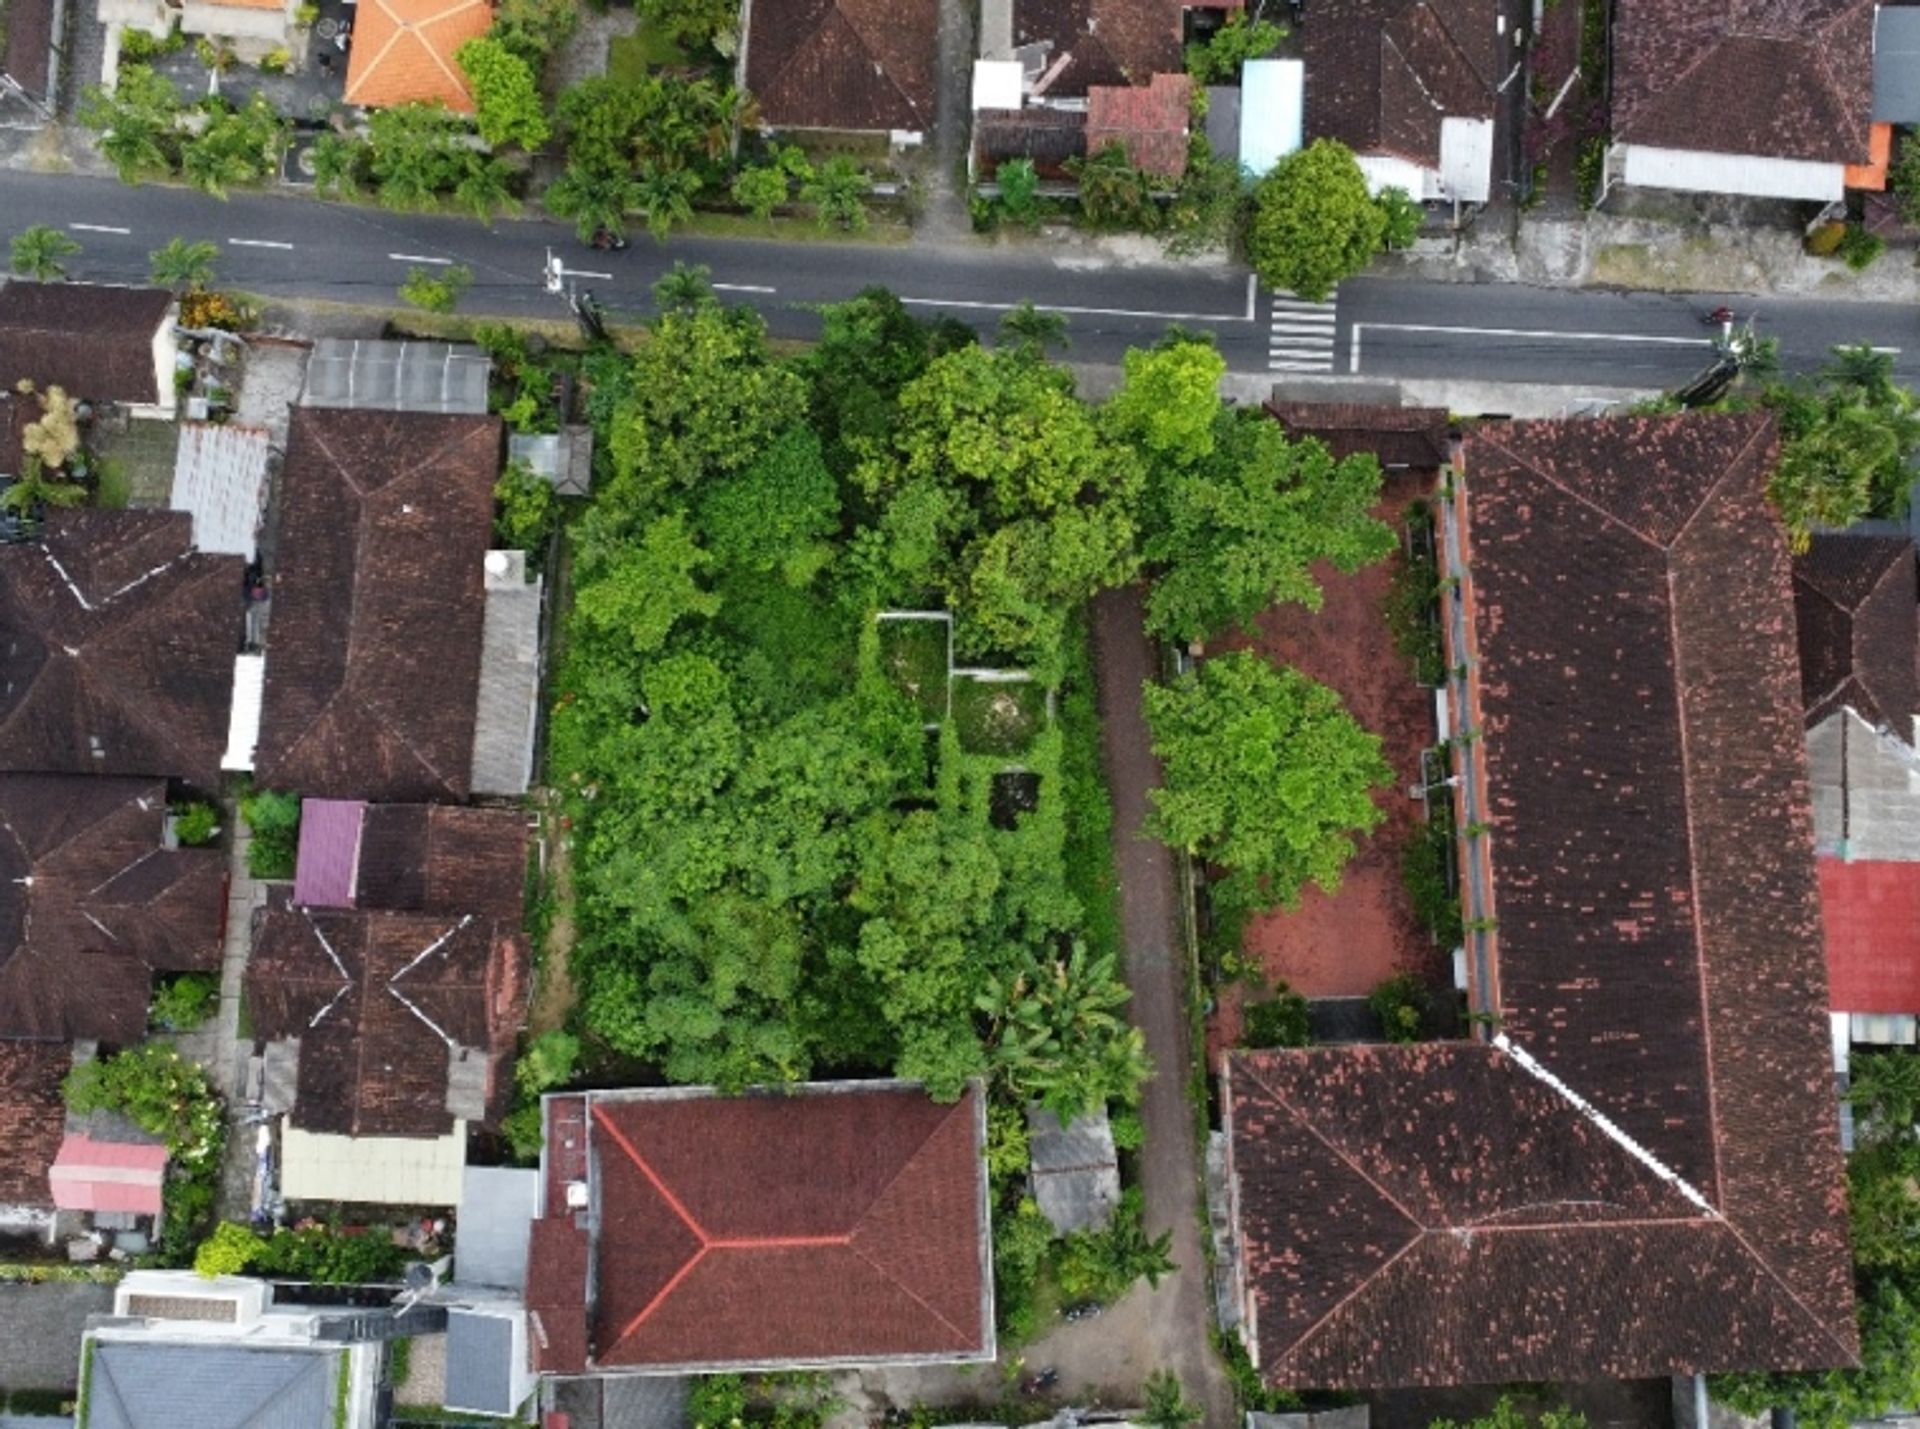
{"x":998,"y":712}
{"x":916,"y":655}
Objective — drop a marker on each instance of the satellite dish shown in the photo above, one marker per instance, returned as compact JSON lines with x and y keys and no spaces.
{"x":499,"y":563}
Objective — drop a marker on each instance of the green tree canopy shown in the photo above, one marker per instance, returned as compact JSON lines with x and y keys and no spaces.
{"x":1848,"y":440}
{"x":506,"y":95}
{"x":1267,"y":776}
{"x":534,"y":29}
{"x":41,"y":253}
{"x":1314,"y":223}
{"x":181,"y":265}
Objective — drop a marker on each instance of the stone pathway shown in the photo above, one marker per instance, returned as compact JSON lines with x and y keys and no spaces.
{"x":944,"y":218}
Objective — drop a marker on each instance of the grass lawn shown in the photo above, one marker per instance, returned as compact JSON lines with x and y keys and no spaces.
{"x":913,"y":655}
{"x":631,"y":57}
{"x":997,"y":716}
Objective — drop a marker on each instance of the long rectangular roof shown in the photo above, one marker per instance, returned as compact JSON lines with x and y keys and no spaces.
{"x":1642,"y":1176}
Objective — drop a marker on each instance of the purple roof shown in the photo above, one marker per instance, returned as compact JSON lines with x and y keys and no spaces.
{"x":329,"y":852}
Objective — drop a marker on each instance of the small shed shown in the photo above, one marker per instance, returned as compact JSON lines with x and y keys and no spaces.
{"x":378,"y":1170}
{"x":1273,"y":99}
{"x":1076,"y":1169}
{"x":563,"y":458}
{"x":487,"y":1361}
{"x":107,"y":1176}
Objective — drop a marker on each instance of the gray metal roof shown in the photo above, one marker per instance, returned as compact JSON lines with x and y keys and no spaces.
{"x":1896,"y":65}
{"x":479,"y":1362}
{"x":564,"y":459}
{"x":505,"y":713}
{"x":146,"y":1385}
{"x":496,"y":1215}
{"x":397,"y":376}
{"x":1076,"y":1169}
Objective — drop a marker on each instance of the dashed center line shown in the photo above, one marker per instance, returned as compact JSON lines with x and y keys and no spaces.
{"x":98,"y":228}
{"x":258,"y":243}
{"x":740,"y":288}
{"x":420,"y":258}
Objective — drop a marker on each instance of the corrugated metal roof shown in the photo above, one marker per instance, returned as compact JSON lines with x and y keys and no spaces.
{"x":91,"y":1175}
{"x":383,"y":1170}
{"x":1872,"y":917}
{"x":1896,"y":65}
{"x":1272,"y":112}
{"x":497,"y":1207}
{"x":329,"y":858}
{"x":220,"y":478}
{"x":479,"y":1361}
{"x":505,"y":712}
{"x":397,"y":376}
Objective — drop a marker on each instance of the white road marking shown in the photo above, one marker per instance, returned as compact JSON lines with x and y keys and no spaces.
{"x":1301,"y":334}
{"x":1544,"y":333}
{"x":1083,"y":312}
{"x":583,"y":273}
{"x":258,"y":243}
{"x":741,"y":288}
{"x":1253,"y":294}
{"x":419,"y":258}
{"x":1353,"y":348}
{"x":98,"y":228}
{"x":1889,"y":351}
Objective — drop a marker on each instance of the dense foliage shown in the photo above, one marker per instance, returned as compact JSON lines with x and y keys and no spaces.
{"x":1314,"y":223}
{"x":1884,"y":1212}
{"x":310,"y":1252}
{"x":166,"y":1096}
{"x":1849,"y":436}
{"x":1508,"y":1414}
{"x":780,"y":872}
{"x":1267,"y":777}
{"x":273,"y":819}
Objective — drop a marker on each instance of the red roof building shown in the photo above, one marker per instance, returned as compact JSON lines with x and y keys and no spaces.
{"x":90,"y":1175}
{"x":1149,"y":121}
{"x":1872,"y":916}
{"x":1640,"y":1174}
{"x":825,"y":1224}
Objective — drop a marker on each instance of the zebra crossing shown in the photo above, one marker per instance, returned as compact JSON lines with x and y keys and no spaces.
{"x":1300,"y":334}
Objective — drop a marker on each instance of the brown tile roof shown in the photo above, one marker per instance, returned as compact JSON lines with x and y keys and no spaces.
{"x":1411,"y":437}
{"x":91,"y":906}
{"x":1382,"y":74}
{"x":29,"y":54}
{"x":1855,"y":606}
{"x":1658,"y":958}
{"x":436,"y":858}
{"x":1148,"y":121}
{"x":381,"y":1004}
{"x":120,"y":641}
{"x":1100,"y":41}
{"x":1047,"y":137}
{"x":805,"y":1225}
{"x":1684,"y":77}
{"x":33,"y":1119}
{"x":403,"y":51}
{"x":843,"y":64}
{"x":373,"y":655}
{"x":94,"y":341}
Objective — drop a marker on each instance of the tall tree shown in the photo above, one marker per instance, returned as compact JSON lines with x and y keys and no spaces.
{"x":1267,"y":776}
{"x":1314,"y":223}
{"x":506,"y":94}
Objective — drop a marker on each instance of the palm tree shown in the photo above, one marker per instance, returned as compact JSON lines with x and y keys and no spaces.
{"x":183,"y":266}
{"x":1860,"y":370}
{"x":483,"y":189}
{"x":336,"y":165}
{"x":667,"y":196}
{"x":1033,"y":329}
{"x":838,"y":191}
{"x":594,"y":199}
{"x":39,"y":253}
{"x":684,"y":289}
{"x":1167,"y":1404}
{"x":35,"y":487}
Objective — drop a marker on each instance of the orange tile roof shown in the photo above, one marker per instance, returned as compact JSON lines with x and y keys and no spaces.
{"x":1873,"y":174}
{"x":403,"y":50}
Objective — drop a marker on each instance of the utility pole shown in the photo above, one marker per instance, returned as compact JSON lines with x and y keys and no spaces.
{"x":584,"y":306}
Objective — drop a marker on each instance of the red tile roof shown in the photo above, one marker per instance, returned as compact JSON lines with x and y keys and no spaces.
{"x":1657,"y":958}
{"x":1683,"y":77}
{"x":1414,"y":438}
{"x":403,"y":51}
{"x":94,"y":340}
{"x":1872,"y":916}
{"x":33,"y":1118}
{"x":1148,"y":121}
{"x":854,"y":65}
{"x":91,"y":906}
{"x":809,"y":1225}
{"x":1101,"y":41}
{"x":91,"y":1175}
{"x":1857,"y":609}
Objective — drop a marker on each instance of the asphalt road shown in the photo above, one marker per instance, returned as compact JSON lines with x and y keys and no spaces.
{"x":292,"y":246}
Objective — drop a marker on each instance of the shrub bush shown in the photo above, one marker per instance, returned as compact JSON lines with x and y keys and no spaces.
{"x":1280,"y":1021}
{"x":274,"y":819}
{"x":196,"y":825}
{"x":1401,"y":1003}
{"x":1825,"y":240}
{"x":184,"y":1002}
{"x":1859,"y":248}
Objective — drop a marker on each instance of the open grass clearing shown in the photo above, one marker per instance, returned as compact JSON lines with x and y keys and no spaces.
{"x":914,"y":657}
{"x":997,"y":716}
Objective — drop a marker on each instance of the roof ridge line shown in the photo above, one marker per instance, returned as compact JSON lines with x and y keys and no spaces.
{"x":908,"y":1291}
{"x":1760,"y":429}
{"x":1579,"y":496}
{"x":1420,"y":1226}
{"x":1529,"y":1064}
{"x":906,"y":1165}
